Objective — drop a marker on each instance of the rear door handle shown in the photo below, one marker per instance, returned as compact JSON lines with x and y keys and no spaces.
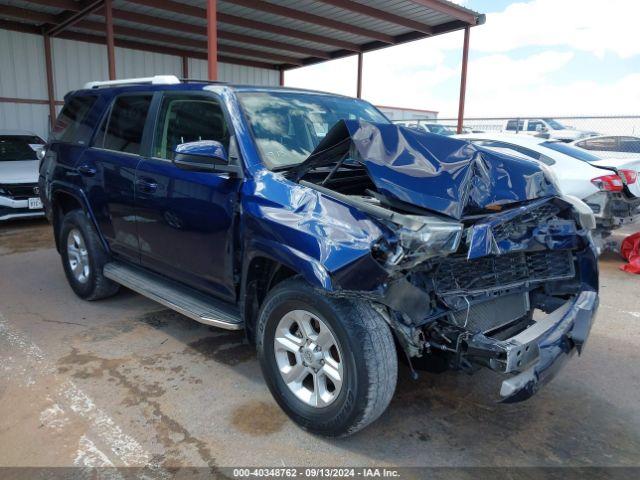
{"x":146,"y":185}
{"x":87,"y":171}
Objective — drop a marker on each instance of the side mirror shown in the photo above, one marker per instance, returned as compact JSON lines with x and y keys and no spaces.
{"x":41,"y":151}
{"x":204,"y":156}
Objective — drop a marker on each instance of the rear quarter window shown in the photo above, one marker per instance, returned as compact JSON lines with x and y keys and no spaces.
{"x":124,"y":125}
{"x":72,"y":125}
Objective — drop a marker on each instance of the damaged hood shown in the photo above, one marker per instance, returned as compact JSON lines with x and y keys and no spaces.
{"x":442,"y":174}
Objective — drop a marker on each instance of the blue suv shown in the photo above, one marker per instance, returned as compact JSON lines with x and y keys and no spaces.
{"x":339,"y":242}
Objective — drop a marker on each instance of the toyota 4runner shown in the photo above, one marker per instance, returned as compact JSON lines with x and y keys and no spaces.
{"x":339,"y":242}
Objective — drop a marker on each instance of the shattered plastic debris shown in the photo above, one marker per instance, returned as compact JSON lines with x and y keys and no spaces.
{"x":630,"y":250}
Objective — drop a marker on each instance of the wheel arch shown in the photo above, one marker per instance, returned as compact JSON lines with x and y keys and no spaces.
{"x":65,"y":200}
{"x":262,"y":271}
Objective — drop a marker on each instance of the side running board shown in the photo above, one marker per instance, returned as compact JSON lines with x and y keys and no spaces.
{"x":187,"y":301}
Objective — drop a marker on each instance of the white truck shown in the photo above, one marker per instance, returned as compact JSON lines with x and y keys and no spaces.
{"x":545,"y":126}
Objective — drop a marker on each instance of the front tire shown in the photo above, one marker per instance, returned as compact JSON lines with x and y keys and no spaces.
{"x":83,"y":258}
{"x":330,"y":363}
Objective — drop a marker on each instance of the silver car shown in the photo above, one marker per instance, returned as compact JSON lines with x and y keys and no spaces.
{"x":19,"y":192}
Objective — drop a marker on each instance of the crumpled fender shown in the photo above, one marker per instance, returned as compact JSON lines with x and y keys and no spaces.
{"x":446,"y":175}
{"x":323,"y":239}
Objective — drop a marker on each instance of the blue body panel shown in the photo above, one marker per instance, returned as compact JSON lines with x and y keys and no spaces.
{"x":185,"y":223}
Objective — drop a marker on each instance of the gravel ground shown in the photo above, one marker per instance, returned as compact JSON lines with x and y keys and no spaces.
{"x":126,"y":382}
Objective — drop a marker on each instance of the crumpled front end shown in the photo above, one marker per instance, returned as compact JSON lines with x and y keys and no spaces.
{"x":518,"y":296}
{"x":480,"y":261}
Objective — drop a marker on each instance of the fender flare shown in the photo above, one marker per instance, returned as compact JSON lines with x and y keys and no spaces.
{"x":77,"y":193}
{"x":311,"y":269}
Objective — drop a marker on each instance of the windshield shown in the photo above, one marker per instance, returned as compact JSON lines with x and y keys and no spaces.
{"x":19,"y":147}
{"x":554,"y":124}
{"x":571,"y":151}
{"x":287,"y":126}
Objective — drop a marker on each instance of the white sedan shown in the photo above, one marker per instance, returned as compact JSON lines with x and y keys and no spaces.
{"x":19,"y":192}
{"x":610,"y":187}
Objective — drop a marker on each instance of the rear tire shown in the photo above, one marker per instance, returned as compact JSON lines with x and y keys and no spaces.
{"x":357,"y":374}
{"x":83,"y":258}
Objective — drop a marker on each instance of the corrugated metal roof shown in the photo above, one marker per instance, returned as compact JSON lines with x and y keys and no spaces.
{"x":334,"y":28}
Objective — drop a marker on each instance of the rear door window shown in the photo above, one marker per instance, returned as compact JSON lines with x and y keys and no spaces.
{"x":72,"y":124}
{"x":124,"y":126}
{"x":534,"y":125}
{"x":630,"y":144}
{"x":515,"y":125}
{"x":606,"y":144}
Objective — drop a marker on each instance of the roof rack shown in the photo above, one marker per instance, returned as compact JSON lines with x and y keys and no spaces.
{"x":155,"y":80}
{"x":197,"y":80}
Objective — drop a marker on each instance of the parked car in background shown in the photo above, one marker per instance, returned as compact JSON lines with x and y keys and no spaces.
{"x":436,"y":128}
{"x":611,"y":146}
{"x":335,"y":252}
{"x":19,"y":191}
{"x":610,"y":187}
{"x":537,"y":126}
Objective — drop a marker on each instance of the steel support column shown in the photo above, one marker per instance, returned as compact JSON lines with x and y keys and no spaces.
{"x":281,"y":82}
{"x":111,"y":49}
{"x":359,"y":80}
{"x":212,"y":39}
{"x":185,"y":67}
{"x":463,"y":78}
{"x":48,"y":65}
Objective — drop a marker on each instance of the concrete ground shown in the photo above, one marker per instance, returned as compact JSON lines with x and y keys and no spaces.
{"x":126,"y":382}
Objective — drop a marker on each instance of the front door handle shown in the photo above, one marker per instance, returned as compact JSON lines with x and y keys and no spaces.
{"x":146,"y":185}
{"x":87,"y":170}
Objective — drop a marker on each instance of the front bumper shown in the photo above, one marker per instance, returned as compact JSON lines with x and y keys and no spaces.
{"x":538,"y":353}
{"x":11,"y":208}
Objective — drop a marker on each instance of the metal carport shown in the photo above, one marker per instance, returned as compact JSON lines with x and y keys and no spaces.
{"x":276,"y":35}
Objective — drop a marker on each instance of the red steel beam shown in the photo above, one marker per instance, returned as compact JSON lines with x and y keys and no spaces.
{"x":286,"y":32}
{"x":185,"y":67}
{"x":245,"y":52}
{"x":359,"y":80}
{"x":62,"y":4}
{"x":187,"y":42}
{"x":311,"y":18}
{"x":9,"y":11}
{"x":379,"y":15}
{"x":158,"y":22}
{"x":262,"y":42}
{"x":68,"y":18}
{"x":30,"y":101}
{"x":197,"y":12}
{"x":463,"y":78}
{"x":147,"y":47}
{"x":19,"y":27}
{"x":212,"y":39}
{"x":193,"y":29}
{"x":447,"y":8}
{"x":49,"y":71}
{"x":111,"y":45}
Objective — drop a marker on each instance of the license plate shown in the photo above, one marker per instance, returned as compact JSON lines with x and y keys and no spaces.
{"x":35,"y":203}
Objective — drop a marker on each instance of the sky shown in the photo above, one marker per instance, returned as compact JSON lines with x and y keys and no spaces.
{"x":537,"y":57}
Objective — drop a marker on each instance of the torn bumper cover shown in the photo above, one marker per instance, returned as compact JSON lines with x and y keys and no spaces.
{"x":538,"y":353}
